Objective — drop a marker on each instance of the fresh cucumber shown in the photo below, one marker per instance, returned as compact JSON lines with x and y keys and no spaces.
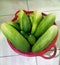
{"x":31,"y":38}
{"x":15,"y":25}
{"x":45,"y":39}
{"x":15,"y":37}
{"x":46,"y":22}
{"x":35,"y":18}
{"x":31,"y":16}
{"x":24,"y":21}
{"x":24,"y":34}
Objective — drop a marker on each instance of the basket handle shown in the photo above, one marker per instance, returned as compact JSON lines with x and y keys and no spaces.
{"x":52,"y":56}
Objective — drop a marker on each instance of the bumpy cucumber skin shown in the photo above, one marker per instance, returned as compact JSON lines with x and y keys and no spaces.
{"x":15,"y":37}
{"x":15,"y":25}
{"x":45,"y":24}
{"x":45,"y":39}
{"x":24,"y":21}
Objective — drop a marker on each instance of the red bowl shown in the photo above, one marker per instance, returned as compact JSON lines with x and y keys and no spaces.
{"x":31,"y":54}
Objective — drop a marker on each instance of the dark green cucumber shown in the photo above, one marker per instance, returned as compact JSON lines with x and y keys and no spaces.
{"x":15,"y":25}
{"x":45,"y":39}
{"x":31,"y":39}
{"x":24,"y":34}
{"x":24,"y":21}
{"x":15,"y":37}
{"x":46,"y":22}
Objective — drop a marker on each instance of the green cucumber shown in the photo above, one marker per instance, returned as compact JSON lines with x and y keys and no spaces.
{"x":15,"y":25}
{"x":24,"y":34}
{"x":45,"y":39}
{"x":15,"y":37}
{"x":46,"y":22}
{"x":35,"y":18}
{"x":31,"y":38}
{"x":24,"y":21}
{"x":31,"y":16}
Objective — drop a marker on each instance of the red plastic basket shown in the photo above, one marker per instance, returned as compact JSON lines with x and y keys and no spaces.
{"x":31,"y":54}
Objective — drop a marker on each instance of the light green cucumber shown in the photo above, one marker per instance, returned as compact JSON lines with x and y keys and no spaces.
{"x":45,"y":39}
{"x":46,"y":22}
{"x":15,"y":37}
{"x":35,"y":18}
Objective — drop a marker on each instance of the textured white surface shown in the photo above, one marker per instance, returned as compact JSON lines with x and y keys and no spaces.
{"x":11,"y":6}
{"x":17,"y":60}
{"x":42,"y":61}
{"x":44,"y":5}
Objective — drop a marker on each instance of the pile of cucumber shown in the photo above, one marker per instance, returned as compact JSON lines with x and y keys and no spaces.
{"x":32,"y":32}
